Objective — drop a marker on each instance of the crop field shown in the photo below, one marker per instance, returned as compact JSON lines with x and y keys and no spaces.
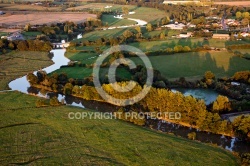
{"x":17,"y":7}
{"x":193,"y":65}
{"x":14,"y":65}
{"x":43,"y":18}
{"x":101,"y":6}
{"x":39,"y":136}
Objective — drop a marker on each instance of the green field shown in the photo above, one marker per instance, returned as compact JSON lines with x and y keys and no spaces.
{"x":143,"y":13}
{"x":114,"y":22}
{"x":193,"y":65}
{"x":147,"y":14}
{"x":146,"y":45}
{"x":84,"y":57}
{"x":31,"y":35}
{"x":94,"y":35}
{"x":3,"y":34}
{"x":83,"y":72}
{"x":46,"y":136}
{"x":17,"y":64}
{"x":244,"y":52}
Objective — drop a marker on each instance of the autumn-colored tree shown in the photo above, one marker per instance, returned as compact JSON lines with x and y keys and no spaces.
{"x":149,"y":27}
{"x":192,"y":135}
{"x":238,"y":15}
{"x":209,"y":75}
{"x":221,"y":104}
{"x":54,"y":101}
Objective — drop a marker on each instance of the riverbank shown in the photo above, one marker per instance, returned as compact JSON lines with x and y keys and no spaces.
{"x":48,"y":136}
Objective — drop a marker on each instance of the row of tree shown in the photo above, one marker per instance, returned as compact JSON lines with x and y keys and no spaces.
{"x":26,"y":45}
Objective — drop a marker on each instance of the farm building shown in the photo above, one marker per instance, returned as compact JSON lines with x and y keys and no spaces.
{"x":15,"y":36}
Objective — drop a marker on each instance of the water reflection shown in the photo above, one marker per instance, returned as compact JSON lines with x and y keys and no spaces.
{"x":207,"y":95}
{"x":232,"y":144}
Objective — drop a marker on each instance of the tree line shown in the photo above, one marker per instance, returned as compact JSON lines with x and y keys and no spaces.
{"x":25,"y":45}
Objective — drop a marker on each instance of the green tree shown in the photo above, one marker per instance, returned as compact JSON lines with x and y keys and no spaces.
{"x":22,"y":46}
{"x":32,"y":78}
{"x":209,"y":75}
{"x":192,"y":135}
{"x":127,"y":34}
{"x":27,"y":27}
{"x":11,"y":46}
{"x":138,"y":29}
{"x":67,"y":90}
{"x":178,"y":48}
{"x":245,"y":15}
{"x":125,"y":10}
{"x":40,"y":103}
{"x":245,"y":21}
{"x":149,"y":27}
{"x":238,"y":15}
{"x":186,"y":49}
{"x":54,"y":101}
{"x":162,"y":35}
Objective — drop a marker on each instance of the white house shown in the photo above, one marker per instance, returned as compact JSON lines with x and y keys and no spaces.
{"x":185,"y":35}
{"x":176,"y":25}
{"x":235,"y":83}
{"x":79,"y":36}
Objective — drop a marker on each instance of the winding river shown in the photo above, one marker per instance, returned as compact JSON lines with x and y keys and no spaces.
{"x":232,"y":144}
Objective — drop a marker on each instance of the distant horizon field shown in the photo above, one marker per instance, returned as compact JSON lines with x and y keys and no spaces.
{"x":46,"y":136}
{"x":44,"y":18}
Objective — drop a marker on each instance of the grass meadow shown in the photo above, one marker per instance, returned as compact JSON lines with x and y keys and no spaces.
{"x":193,"y":65}
{"x":39,"y":136}
{"x":18,"y":64}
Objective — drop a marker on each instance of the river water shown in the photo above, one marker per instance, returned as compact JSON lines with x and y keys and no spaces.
{"x":207,"y":95}
{"x":232,"y":144}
